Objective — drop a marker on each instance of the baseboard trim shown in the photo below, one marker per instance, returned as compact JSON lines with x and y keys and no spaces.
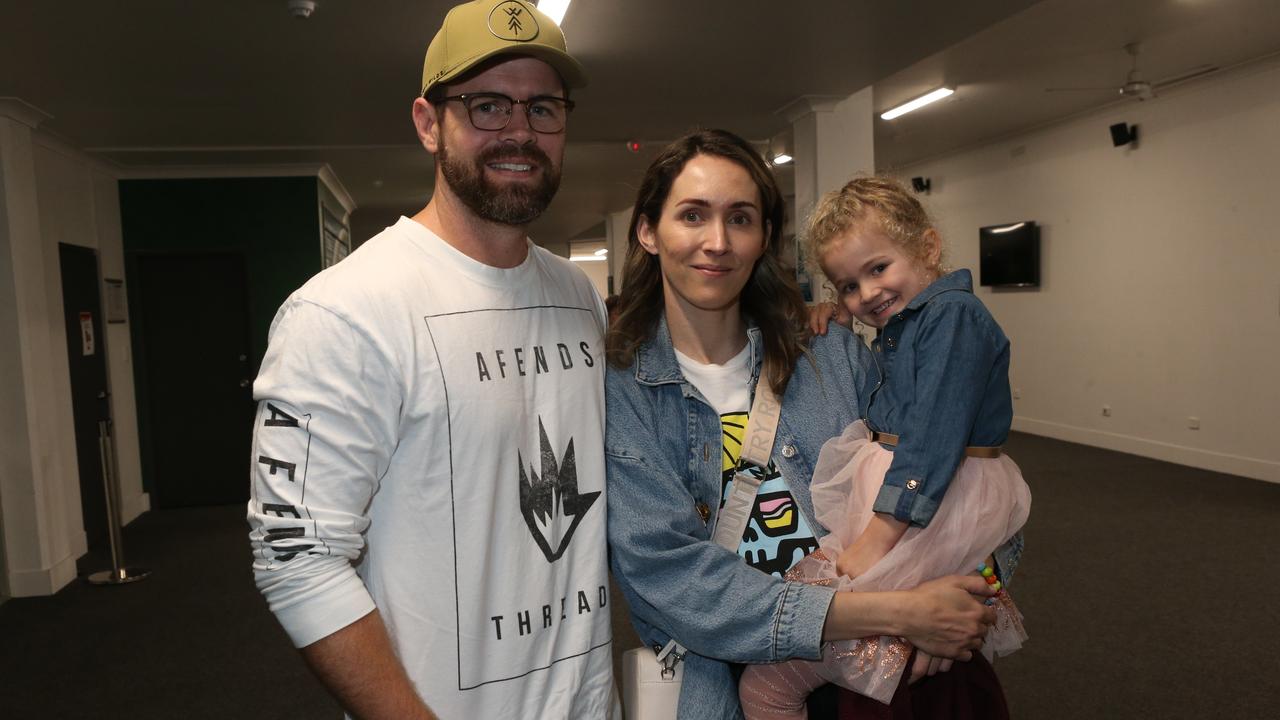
{"x":44,"y":581}
{"x":1255,"y":468}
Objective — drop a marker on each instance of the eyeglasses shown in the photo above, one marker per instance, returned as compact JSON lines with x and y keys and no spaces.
{"x":492,"y":111}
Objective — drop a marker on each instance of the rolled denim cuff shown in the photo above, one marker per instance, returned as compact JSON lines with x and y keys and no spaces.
{"x":908,"y":507}
{"x":800,"y":620}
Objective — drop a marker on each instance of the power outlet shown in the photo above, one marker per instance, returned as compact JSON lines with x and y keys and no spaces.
{"x":1017,"y":393}
{"x":1106,"y":411}
{"x":1193,"y":423}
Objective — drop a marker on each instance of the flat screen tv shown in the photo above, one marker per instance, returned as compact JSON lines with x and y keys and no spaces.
{"x":1010,"y":255}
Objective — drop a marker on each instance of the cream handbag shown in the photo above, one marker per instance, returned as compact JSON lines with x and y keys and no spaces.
{"x":650,"y":687}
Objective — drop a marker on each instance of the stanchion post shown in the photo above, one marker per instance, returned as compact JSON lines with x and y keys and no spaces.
{"x":118,"y":574}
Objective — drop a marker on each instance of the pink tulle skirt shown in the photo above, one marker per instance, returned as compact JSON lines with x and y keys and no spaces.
{"x":986,"y":503}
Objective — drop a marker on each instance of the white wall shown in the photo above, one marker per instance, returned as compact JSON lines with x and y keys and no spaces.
{"x":50,"y":193}
{"x":79,"y":203}
{"x":1160,"y":271}
{"x":598,"y":273}
{"x":832,"y":139}
{"x":38,"y":483}
{"x":616,"y":225}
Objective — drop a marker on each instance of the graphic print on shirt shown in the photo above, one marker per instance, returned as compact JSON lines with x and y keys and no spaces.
{"x":547,"y":498}
{"x":776,"y":536}
{"x":526,"y":486}
{"x":281,"y":454}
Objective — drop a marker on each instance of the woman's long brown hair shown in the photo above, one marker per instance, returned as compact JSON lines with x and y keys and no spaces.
{"x":771,"y":296}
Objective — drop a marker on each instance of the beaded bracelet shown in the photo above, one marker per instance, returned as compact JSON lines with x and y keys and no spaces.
{"x":989,"y":575}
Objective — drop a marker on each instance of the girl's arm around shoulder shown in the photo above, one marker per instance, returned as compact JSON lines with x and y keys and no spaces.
{"x":841,"y":358}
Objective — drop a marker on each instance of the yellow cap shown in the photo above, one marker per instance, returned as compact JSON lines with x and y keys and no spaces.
{"x":476,"y":31}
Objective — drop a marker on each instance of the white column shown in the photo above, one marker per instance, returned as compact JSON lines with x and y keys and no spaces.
{"x":124,"y":413}
{"x":833,"y":141}
{"x":616,"y":225}
{"x":38,"y":476}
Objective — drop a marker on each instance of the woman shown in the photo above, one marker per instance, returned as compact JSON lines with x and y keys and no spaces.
{"x":707,"y":298}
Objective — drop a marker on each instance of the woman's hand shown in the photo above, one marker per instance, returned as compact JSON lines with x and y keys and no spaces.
{"x":944,"y":618}
{"x":821,"y":314}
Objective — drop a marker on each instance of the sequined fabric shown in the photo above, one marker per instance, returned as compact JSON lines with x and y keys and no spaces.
{"x":988,"y":502}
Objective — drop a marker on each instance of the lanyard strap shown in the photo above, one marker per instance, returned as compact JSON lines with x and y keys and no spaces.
{"x":757,"y":446}
{"x":731,"y":522}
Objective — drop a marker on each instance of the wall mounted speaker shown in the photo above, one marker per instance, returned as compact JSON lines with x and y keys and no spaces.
{"x":1123,"y":134}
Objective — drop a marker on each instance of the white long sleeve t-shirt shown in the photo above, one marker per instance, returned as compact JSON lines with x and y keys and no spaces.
{"x":429,"y":441}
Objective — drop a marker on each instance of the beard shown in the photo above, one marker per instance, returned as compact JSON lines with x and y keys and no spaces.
{"x":514,"y":204}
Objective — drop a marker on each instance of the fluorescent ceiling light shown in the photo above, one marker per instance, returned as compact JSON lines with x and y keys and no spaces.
{"x":1008,"y":228}
{"x":554,"y":9}
{"x":781,"y":159}
{"x":588,"y":258}
{"x":918,"y":103}
{"x":602,"y":251}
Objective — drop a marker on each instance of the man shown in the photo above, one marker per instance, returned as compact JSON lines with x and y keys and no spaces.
{"x":428,"y":496}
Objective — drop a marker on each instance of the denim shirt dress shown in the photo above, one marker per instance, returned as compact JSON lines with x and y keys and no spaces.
{"x":942,"y":384}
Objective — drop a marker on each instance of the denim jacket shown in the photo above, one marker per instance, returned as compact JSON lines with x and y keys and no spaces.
{"x":943,"y":384}
{"x":663,"y":453}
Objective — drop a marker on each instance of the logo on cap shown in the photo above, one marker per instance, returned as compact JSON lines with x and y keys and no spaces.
{"x":511,"y":20}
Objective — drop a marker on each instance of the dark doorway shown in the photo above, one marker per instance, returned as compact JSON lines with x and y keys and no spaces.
{"x":86,"y":359}
{"x":193,"y":316}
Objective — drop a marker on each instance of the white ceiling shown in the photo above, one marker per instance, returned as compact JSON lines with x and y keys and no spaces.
{"x":239,"y":82}
{"x":1001,"y":73}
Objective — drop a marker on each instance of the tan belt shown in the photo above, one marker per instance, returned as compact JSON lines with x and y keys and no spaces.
{"x":971,"y":451}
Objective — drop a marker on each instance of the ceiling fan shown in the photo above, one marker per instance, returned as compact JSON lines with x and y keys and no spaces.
{"x":1135,"y":85}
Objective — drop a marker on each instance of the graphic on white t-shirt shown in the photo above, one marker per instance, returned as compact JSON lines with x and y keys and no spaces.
{"x":519,"y":608}
{"x":777,"y":535}
{"x":546,"y":499}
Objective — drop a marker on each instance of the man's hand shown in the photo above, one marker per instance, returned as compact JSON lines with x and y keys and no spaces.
{"x":943,"y":618}
{"x":926,"y":664}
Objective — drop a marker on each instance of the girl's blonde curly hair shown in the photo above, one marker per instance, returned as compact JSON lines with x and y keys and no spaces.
{"x":879,"y":200}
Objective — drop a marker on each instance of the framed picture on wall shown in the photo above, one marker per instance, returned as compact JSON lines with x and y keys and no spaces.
{"x":113,"y":302}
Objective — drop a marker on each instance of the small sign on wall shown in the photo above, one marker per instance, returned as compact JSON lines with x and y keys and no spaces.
{"x":86,"y":333}
{"x":115,"y":300}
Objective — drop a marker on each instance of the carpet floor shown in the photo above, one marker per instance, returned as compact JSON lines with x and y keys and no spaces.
{"x":1150,"y":591}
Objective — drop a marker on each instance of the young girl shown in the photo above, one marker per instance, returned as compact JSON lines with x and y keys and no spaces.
{"x":939,"y":411}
